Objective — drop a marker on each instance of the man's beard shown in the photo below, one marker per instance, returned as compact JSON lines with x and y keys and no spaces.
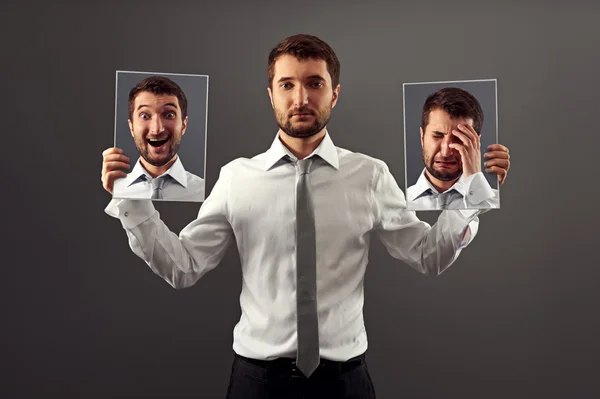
{"x":284,"y":121}
{"x":440,"y":175}
{"x":142,"y":147}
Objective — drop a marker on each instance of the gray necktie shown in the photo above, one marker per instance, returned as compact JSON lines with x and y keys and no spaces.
{"x":157,"y":186}
{"x":307,"y":358}
{"x":445,"y":198}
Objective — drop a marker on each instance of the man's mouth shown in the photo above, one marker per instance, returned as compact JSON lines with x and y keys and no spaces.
{"x":446,"y":163}
{"x":156,"y":142}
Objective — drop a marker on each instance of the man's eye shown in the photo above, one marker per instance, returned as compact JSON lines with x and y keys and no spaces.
{"x":170,"y":114}
{"x":144,"y":116}
{"x":286,"y":85}
{"x":318,"y":85}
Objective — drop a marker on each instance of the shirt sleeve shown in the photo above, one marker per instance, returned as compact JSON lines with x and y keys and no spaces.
{"x":179,"y":260}
{"x":428,"y":249}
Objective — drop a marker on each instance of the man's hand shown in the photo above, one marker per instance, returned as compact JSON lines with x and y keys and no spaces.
{"x":469,"y":149}
{"x":113,"y":161}
{"x":497,"y":161}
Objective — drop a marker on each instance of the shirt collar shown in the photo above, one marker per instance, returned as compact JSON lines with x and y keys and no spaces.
{"x":326,"y":150}
{"x":176,"y":171}
{"x":424,"y":187}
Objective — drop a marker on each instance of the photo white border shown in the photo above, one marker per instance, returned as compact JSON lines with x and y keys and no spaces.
{"x":167,"y":74}
{"x":495,"y":80}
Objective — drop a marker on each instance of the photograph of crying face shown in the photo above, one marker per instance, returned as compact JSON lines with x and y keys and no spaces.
{"x":448,"y":129}
{"x":160,"y":124}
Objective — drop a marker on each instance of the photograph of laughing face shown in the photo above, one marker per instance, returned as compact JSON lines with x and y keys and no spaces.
{"x":447,"y":128}
{"x":155,"y":114}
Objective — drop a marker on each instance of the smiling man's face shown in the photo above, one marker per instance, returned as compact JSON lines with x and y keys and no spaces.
{"x":157,"y":126}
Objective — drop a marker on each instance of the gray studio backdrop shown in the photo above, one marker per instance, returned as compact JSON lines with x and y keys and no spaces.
{"x":193,"y":143}
{"x":515,"y":317}
{"x":415,"y":95}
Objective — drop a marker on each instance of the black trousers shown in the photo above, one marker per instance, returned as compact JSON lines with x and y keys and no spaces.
{"x":279,"y":379}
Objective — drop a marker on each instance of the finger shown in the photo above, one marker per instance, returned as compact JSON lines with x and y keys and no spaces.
{"x":470,"y":131}
{"x":113,"y":175}
{"x":497,"y":147}
{"x":110,"y":166}
{"x":112,"y":150}
{"x":460,"y":148}
{"x":496,"y":154}
{"x":116,"y":157}
{"x":113,"y":165}
{"x":502,"y":163}
{"x":501,"y":173}
{"x":467,"y":142}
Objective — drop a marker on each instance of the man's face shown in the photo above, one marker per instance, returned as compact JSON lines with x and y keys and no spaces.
{"x":441,"y":161}
{"x":157,"y":127}
{"x":302,"y":95}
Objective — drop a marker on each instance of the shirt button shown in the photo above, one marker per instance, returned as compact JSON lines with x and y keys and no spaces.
{"x":126,"y":214}
{"x":470,"y":192}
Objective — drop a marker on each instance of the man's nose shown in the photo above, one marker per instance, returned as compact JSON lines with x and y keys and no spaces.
{"x":446,"y":150}
{"x":300,"y":97}
{"x":156,"y":125}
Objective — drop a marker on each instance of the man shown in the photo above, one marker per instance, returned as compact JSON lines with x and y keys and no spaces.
{"x":451,"y":119}
{"x":302,"y":214}
{"x":157,"y":121}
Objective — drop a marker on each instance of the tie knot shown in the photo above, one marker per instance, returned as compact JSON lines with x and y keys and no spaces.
{"x":158,"y":182}
{"x":303,"y":166}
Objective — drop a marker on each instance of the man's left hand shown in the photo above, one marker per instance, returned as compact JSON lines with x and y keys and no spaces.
{"x":469,"y":149}
{"x":497,"y":160}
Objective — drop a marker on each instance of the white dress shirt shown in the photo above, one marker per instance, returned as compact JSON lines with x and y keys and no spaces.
{"x":473,"y":192}
{"x":182,"y":186}
{"x":253,"y":201}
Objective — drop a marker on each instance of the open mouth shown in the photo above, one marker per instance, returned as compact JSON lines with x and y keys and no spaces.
{"x":157,"y":143}
{"x":446,"y":164}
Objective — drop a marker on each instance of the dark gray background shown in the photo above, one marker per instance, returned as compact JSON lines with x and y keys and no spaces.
{"x":193,"y":143}
{"x":515,"y":317}
{"x":414,"y":98}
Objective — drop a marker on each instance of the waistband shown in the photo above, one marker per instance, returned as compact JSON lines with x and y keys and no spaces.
{"x":288,"y":365}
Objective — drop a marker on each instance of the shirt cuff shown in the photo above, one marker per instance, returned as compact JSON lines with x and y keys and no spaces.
{"x":130,"y":212}
{"x":477,"y":189}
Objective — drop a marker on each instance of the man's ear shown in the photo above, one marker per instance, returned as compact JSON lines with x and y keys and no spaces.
{"x":422,"y":136}
{"x":184,"y":125}
{"x":271,"y":96}
{"x":130,"y":126}
{"x":336,"y":94}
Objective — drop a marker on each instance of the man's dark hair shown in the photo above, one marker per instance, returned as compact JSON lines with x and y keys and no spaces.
{"x":458,"y":103}
{"x":304,"y":47}
{"x":159,"y":85}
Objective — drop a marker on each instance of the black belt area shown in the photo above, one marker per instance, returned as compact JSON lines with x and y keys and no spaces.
{"x":288,"y":365}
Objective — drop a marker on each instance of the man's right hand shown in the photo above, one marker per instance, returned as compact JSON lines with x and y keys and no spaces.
{"x":113,"y":163}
